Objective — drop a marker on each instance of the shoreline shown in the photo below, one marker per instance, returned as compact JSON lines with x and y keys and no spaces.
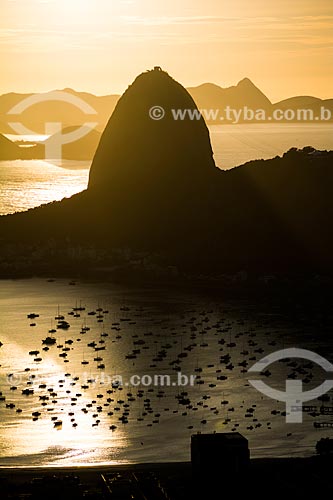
{"x":158,"y":465}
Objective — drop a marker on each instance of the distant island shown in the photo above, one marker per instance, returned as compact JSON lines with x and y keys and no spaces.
{"x":156,"y":202}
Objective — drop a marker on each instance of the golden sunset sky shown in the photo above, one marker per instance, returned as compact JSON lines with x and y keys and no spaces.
{"x":284,"y":46}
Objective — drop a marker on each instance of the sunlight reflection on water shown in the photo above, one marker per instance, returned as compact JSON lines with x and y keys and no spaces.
{"x":160,"y":325}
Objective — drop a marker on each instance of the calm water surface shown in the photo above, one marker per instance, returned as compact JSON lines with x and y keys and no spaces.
{"x":144,"y":332}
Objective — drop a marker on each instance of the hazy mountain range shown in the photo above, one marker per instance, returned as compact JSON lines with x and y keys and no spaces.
{"x":206,"y":96}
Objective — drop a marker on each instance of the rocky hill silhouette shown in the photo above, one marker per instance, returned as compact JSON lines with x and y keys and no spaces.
{"x":137,"y":152}
{"x":154,"y":188}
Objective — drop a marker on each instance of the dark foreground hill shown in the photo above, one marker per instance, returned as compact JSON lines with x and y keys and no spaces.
{"x":154,"y":188}
{"x":305,"y":477}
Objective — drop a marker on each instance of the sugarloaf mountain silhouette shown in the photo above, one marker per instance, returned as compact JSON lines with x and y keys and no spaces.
{"x":154,"y":187}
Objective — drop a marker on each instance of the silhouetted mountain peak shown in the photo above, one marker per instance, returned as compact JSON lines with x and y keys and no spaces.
{"x":69,"y":90}
{"x":208,"y":86}
{"x":144,"y":146}
{"x":246,"y":82}
{"x":252,"y":94}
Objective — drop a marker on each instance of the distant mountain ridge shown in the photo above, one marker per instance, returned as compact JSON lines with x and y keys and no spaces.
{"x":206,"y":96}
{"x":245,"y":93}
